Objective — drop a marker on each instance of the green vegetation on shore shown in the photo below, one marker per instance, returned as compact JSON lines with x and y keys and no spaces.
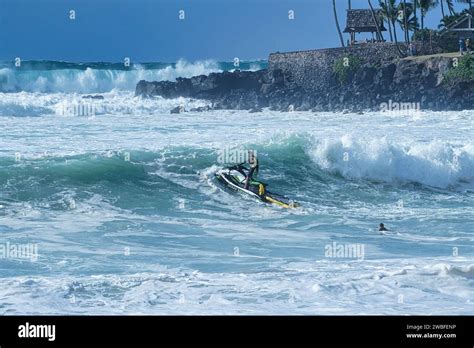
{"x":463,"y":72}
{"x":409,"y":17}
{"x":345,"y":67}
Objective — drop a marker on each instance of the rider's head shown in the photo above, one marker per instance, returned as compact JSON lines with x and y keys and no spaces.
{"x":251,"y":156}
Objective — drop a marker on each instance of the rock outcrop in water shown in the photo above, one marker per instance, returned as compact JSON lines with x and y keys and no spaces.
{"x":416,"y":81}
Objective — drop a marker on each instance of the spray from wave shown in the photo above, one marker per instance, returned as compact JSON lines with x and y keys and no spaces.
{"x":436,"y":164}
{"x":51,"y":77}
{"x":301,"y":161}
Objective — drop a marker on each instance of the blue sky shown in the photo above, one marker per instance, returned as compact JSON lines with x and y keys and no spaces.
{"x":150,"y":30}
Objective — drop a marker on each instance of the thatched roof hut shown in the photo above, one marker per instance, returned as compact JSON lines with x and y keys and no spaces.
{"x":362,"y":21}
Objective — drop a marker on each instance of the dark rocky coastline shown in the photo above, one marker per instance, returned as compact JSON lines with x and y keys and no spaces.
{"x":417,"y":80}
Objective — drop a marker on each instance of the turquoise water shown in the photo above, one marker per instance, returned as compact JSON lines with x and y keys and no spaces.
{"x":127,"y":217}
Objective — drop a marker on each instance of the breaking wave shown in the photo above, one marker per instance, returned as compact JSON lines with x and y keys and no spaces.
{"x":50,"y":77}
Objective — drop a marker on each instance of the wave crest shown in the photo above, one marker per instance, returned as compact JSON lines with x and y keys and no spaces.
{"x":94,"y":80}
{"x":437,"y":164}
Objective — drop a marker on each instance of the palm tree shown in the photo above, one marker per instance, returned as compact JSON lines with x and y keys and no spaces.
{"x":337,"y":22}
{"x":442,"y":8}
{"x":390,"y":12}
{"x":384,"y":8}
{"x":415,"y":4}
{"x":374,"y":17}
{"x":446,"y":21}
{"x":450,"y":4}
{"x":425,"y":6}
{"x":407,"y":23}
{"x":467,"y":2}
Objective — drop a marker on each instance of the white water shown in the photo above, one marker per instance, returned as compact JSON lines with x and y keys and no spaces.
{"x":182,"y":230}
{"x":96,"y":80}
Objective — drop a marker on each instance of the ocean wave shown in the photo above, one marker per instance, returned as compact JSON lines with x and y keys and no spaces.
{"x":79,"y":169}
{"x":362,"y":289}
{"x":293,"y":159}
{"x":48,"y":77}
{"x":288,"y":164}
{"x":436,"y":163}
{"x":26,"y":104}
{"x":444,"y":269}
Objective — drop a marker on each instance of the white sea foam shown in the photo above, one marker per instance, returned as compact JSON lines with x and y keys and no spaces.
{"x":166,"y":207}
{"x":97,"y":80}
{"x":384,"y":289}
{"x":436,"y":163}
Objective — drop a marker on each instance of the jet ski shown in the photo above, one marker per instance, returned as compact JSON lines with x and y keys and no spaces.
{"x":234,"y":179}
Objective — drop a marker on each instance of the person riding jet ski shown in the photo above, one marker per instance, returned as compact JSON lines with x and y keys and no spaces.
{"x":253,"y":163}
{"x":241,"y":178}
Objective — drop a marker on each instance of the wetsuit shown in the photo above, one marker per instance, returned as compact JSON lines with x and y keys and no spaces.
{"x":253,"y":169}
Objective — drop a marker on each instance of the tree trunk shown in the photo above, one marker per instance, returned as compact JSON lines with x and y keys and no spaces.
{"x":415,"y":2}
{"x":379,"y":34}
{"x":405,"y":21}
{"x":396,"y":42}
{"x":337,"y":22}
{"x":450,"y":5}
{"x":389,"y":22}
{"x":442,"y":8}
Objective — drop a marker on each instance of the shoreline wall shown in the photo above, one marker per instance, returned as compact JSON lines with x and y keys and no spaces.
{"x":305,"y":81}
{"x":311,"y":70}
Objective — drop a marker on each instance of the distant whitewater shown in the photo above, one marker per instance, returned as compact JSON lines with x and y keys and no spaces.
{"x":53,"y":76}
{"x":125,"y":216}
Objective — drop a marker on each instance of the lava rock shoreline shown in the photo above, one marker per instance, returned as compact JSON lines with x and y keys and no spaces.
{"x":401,"y":82}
